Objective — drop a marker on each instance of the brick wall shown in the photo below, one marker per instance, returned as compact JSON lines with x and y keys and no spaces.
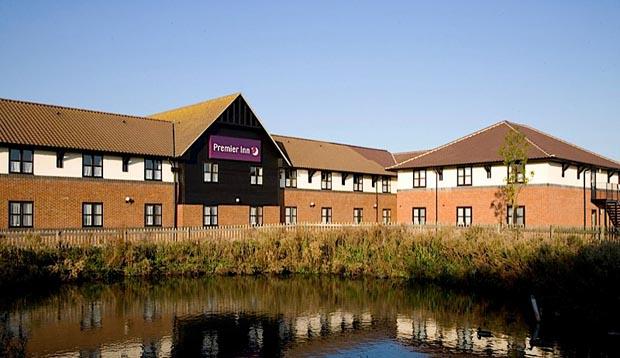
{"x":342,"y":204}
{"x":58,"y":201}
{"x":189,"y":215}
{"x":544,"y":205}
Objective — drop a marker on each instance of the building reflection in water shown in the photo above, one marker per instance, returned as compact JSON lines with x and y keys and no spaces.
{"x":252,"y":316}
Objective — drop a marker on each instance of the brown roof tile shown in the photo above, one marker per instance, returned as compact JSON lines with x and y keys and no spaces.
{"x":483,"y":147}
{"x":402,"y":156}
{"x":314,"y":154}
{"x":36,"y":124}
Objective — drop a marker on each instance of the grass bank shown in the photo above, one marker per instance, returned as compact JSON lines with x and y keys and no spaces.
{"x":472,"y":258}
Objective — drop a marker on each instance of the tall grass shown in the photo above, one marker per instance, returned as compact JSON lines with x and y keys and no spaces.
{"x":466,"y":258}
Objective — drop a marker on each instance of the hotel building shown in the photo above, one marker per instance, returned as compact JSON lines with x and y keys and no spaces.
{"x":214,"y":163}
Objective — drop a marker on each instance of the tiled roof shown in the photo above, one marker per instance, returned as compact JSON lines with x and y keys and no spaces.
{"x":27,"y":123}
{"x":483,"y":147}
{"x":314,"y":154}
{"x":402,"y":156}
{"x":191,"y":121}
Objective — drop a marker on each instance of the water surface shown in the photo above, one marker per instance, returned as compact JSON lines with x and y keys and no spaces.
{"x":267,"y":316}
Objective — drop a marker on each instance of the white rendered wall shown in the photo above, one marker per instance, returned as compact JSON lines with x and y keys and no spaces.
{"x":45,"y":164}
{"x":4,"y":160}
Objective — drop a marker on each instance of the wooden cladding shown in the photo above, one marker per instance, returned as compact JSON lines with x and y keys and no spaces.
{"x":239,"y":114}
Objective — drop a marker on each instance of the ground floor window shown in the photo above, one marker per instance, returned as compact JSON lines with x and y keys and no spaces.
{"x":152,"y":215}
{"x":387,"y":216}
{"x":92,"y":214}
{"x":418,"y":216}
{"x":290,"y":215}
{"x":209,"y":214}
{"x":326,"y":215}
{"x":256,"y":215}
{"x":463,"y":216}
{"x":520,"y":216}
{"x":20,"y":213}
{"x":358,"y":214}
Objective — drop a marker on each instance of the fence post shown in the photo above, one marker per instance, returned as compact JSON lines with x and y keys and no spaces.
{"x":124,"y":236}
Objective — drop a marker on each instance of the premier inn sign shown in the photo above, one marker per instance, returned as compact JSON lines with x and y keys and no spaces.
{"x":231,"y":148}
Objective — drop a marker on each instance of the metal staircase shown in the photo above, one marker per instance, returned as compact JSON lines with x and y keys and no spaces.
{"x":607,"y":196}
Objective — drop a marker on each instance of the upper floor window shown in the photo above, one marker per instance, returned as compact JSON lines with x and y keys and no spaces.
{"x":358,"y":182}
{"x":463,"y":216}
{"x":516,"y":173}
{"x":92,"y":165}
{"x":358,"y":215}
{"x":20,"y":161}
{"x":326,"y":215}
{"x":256,"y":215}
{"x":387,"y":216}
{"x":209,"y":214}
{"x":520,"y":216}
{"x":386,"y":184}
{"x":152,"y":169}
{"x":210,"y":172}
{"x":463,"y":176}
{"x":290,"y":215}
{"x":419,"y":178}
{"x":256,"y":175}
{"x":152,"y":215}
{"x":326,"y":180}
{"x":20,"y":214}
{"x":125,"y":164}
{"x":60,"y":159}
{"x":418,"y":216}
{"x":92,"y":214}
{"x":290,"y":178}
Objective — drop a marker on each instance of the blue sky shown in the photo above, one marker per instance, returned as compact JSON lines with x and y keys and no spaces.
{"x":396,"y":75}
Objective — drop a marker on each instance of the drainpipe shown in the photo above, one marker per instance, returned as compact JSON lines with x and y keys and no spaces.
{"x":175,"y":173}
{"x":376,"y":200}
{"x":584,"y":198}
{"x":436,"y":197}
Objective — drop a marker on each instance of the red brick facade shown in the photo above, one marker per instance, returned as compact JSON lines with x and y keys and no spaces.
{"x":191,"y":215}
{"x":58,"y":201}
{"x":544,"y":205}
{"x":342,"y":204}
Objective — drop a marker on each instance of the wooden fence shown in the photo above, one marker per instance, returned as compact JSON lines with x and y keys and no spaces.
{"x":97,"y":237}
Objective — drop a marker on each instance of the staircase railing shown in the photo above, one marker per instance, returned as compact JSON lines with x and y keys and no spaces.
{"x":606,"y":191}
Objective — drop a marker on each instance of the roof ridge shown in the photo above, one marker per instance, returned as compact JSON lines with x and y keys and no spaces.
{"x":235,"y":94}
{"x":410,"y":151}
{"x":528,"y":139}
{"x":80,"y":109}
{"x":329,"y":142}
{"x":568,"y":143}
{"x":480,"y":131}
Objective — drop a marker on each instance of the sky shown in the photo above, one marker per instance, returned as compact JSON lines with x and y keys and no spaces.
{"x":398,"y":75}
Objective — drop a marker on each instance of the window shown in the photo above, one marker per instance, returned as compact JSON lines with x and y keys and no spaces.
{"x":463,"y":215}
{"x":520,"y":216}
{"x":152,"y":169}
{"x":516,"y":173}
{"x":326,"y":215}
{"x":290,"y":178}
{"x":387,"y":216}
{"x":463,"y":176}
{"x":326,"y":180}
{"x":20,"y":161}
{"x":256,"y":215}
{"x":419,"y":178}
{"x":256,"y":175}
{"x":358,"y":182}
{"x":60,"y":159}
{"x":358,"y":214}
{"x":418,"y":216}
{"x":209,"y":215}
{"x":210,"y":172}
{"x":20,"y":213}
{"x":92,"y":166}
{"x":386,"y":184}
{"x":152,"y":215}
{"x":125,"y":164}
{"x":290,"y":215}
{"x":92,"y":214}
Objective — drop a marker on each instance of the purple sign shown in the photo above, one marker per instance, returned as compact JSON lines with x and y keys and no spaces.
{"x":231,"y":148}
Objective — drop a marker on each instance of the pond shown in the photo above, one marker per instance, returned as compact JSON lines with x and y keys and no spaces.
{"x":271,"y":316}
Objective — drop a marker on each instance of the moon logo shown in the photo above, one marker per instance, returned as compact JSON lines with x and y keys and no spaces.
{"x":254,"y":151}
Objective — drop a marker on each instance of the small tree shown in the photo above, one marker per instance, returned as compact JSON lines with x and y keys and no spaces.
{"x":514,"y":153}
